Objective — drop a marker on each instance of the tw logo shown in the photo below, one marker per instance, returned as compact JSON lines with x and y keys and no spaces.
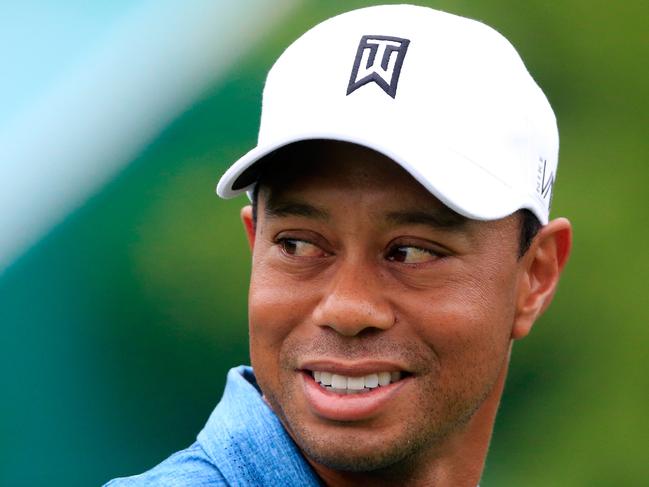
{"x":378,"y":59}
{"x":544,"y":181}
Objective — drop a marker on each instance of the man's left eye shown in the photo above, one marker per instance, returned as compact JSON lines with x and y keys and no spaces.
{"x":409,"y":254}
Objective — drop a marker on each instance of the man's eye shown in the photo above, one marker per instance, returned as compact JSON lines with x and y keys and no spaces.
{"x":411,"y":255}
{"x":300,"y":248}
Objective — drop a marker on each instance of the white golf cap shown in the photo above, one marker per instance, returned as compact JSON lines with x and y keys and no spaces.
{"x":447,"y":98}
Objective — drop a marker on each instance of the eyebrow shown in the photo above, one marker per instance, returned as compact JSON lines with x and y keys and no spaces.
{"x":436,"y":218}
{"x":278,"y":209}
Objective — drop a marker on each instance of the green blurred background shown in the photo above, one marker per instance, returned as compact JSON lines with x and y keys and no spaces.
{"x":119,"y":324}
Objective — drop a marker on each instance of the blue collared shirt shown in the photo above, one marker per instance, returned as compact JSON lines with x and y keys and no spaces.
{"x":242,"y":444}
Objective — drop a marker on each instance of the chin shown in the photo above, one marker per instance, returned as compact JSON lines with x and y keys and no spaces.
{"x":361,"y":448}
{"x":349,"y":454}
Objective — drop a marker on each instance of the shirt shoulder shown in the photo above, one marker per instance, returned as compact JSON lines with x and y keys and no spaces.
{"x":242,"y":444}
{"x":188,"y":467}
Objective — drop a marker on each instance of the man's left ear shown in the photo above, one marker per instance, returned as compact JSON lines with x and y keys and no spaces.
{"x":542,"y":266}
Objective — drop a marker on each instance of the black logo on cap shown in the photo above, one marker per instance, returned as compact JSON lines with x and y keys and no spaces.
{"x":378,"y":59}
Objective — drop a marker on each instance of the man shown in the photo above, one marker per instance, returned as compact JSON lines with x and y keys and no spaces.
{"x":400,"y":244}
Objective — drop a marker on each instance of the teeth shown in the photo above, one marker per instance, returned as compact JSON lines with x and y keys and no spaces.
{"x":355,"y":383}
{"x":325,"y":378}
{"x":338,"y":381}
{"x":341,"y":384}
{"x":384,"y":378}
{"x":371,"y":380}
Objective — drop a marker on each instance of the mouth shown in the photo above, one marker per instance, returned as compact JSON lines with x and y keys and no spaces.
{"x":344,"y":384}
{"x":345,"y":394}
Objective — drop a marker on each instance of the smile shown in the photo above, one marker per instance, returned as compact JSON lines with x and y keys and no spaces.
{"x":353,"y":392}
{"x":342,"y":384}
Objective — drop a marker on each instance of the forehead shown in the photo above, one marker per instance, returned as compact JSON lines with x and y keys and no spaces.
{"x":332,"y":170}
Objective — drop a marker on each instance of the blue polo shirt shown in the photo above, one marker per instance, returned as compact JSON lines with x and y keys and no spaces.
{"x":242,"y":444}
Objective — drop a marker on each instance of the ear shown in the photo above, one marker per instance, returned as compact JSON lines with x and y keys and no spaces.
{"x":542,"y":265}
{"x":248,"y":224}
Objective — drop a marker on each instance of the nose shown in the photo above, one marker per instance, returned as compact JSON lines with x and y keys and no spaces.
{"x":354,"y":301}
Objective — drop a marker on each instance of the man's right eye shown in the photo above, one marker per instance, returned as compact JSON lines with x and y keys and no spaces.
{"x":300,"y":248}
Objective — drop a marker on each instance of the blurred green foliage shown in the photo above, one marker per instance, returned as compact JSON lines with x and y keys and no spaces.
{"x":119,"y":326}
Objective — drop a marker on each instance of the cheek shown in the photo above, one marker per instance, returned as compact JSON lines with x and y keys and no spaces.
{"x":467,"y":327}
{"x":466,"y":316}
{"x":275,"y":310}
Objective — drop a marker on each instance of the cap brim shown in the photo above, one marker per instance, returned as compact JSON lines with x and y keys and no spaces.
{"x":455,"y":180}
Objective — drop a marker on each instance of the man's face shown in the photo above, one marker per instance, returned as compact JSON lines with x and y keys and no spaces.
{"x":357,"y":272}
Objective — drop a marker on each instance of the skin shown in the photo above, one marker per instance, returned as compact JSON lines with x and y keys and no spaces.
{"x":355,"y":263}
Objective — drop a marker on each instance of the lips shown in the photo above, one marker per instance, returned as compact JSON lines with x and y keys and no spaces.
{"x":348,"y":393}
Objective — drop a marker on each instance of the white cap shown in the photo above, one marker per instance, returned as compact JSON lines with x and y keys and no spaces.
{"x":447,"y":98}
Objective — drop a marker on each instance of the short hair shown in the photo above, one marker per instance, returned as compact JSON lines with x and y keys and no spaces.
{"x":529,"y":223}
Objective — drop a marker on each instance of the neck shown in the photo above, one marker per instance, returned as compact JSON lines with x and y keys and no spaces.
{"x":457,"y":462}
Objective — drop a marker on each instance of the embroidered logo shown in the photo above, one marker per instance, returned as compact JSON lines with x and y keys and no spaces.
{"x":544,"y":181}
{"x":378,"y":59}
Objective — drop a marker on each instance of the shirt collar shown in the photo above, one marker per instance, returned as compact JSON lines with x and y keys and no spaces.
{"x":246,"y":440}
